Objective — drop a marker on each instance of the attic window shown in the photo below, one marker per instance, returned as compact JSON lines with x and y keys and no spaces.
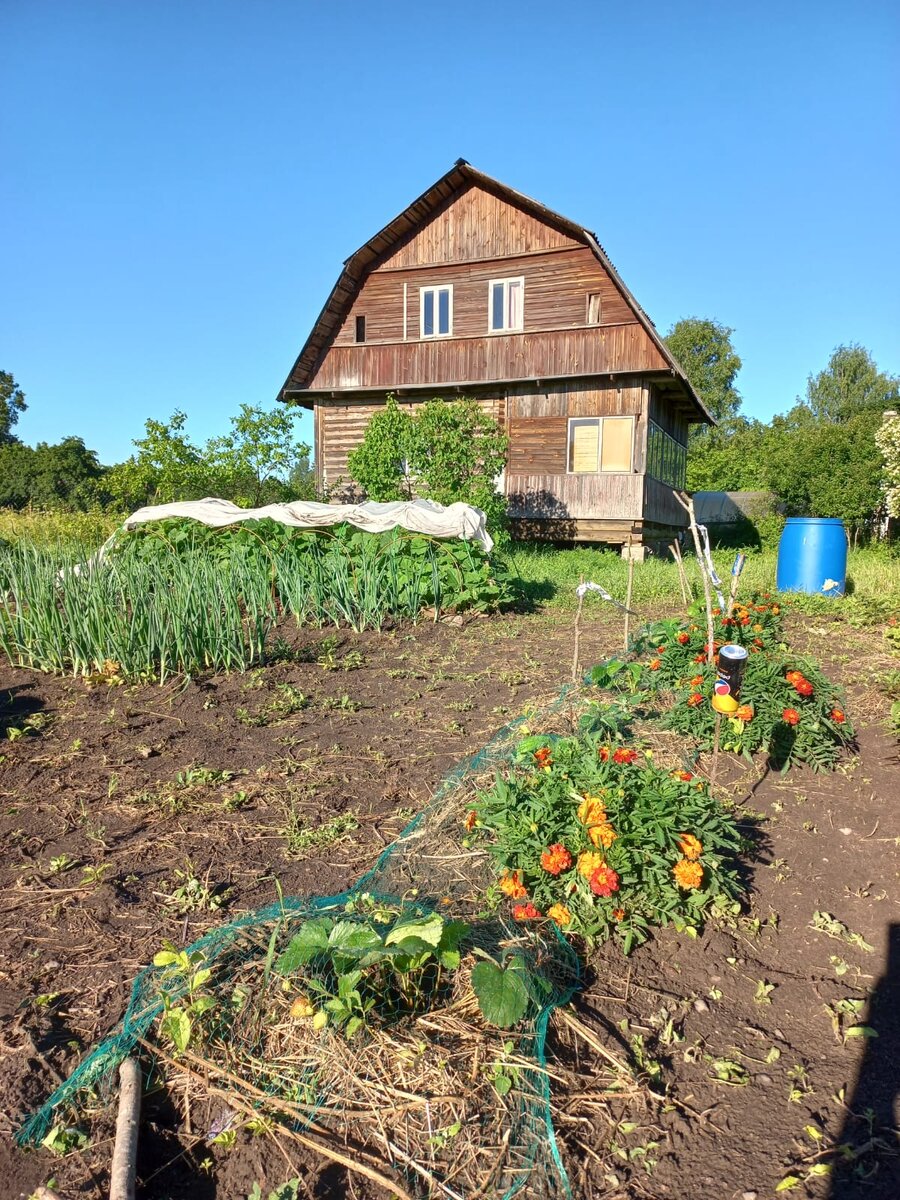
{"x":361,"y":328}
{"x":593,"y":308}
{"x":507,"y":304}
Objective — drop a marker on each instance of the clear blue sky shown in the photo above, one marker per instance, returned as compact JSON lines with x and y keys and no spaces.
{"x":182,"y":179}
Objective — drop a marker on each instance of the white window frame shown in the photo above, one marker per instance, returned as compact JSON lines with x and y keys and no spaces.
{"x":599,"y":470}
{"x":492,"y":283}
{"x":435,"y":289}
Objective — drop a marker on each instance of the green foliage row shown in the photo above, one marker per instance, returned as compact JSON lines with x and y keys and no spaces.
{"x":178,"y":598}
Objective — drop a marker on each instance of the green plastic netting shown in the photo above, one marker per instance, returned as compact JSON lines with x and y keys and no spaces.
{"x":478,"y":1119}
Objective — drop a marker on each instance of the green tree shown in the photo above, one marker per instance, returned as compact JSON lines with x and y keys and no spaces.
{"x":448,"y":451}
{"x":851,"y":382}
{"x":12,"y":402}
{"x":704,"y":350}
{"x":731,"y":458}
{"x":251,"y":464}
{"x":380,"y":464}
{"x":66,"y":475}
{"x":887,"y":439}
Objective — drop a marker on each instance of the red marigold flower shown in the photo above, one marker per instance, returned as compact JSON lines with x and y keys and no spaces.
{"x":694,"y":699}
{"x":684,"y":638}
{"x":655,"y":664}
{"x":684,"y":776}
{"x":471,"y":820}
{"x":556,"y":859}
{"x":625,"y":756}
{"x":745,"y":620}
{"x":837,"y":714}
{"x":696,"y":681}
{"x":804,"y":687}
{"x":604,"y":753}
{"x":543,"y":756}
{"x":791,"y":716}
{"x":660,"y":649}
{"x":604,"y":882}
{"x":699,"y":658}
{"x":757,"y":642}
{"x":526,"y":912}
{"x":618,"y":914}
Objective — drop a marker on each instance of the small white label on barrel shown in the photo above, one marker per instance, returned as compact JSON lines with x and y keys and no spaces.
{"x":829,"y":585}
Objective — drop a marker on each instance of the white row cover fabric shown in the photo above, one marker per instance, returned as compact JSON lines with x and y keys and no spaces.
{"x":420,"y":516}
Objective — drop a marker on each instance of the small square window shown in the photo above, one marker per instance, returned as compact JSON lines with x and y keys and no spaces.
{"x":361,"y":328}
{"x":600,"y":444}
{"x":436,"y":311}
{"x":593,"y":308}
{"x":506,"y":308}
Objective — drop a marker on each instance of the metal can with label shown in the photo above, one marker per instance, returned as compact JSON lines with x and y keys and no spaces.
{"x":729,"y":676}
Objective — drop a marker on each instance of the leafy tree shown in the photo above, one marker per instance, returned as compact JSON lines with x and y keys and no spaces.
{"x":887,"y":439}
{"x":66,"y":475}
{"x":731,"y":458}
{"x":703,"y":348}
{"x":851,"y":382}
{"x":448,"y":451}
{"x":380,"y":464}
{"x":12,"y":402}
{"x":252,"y":464}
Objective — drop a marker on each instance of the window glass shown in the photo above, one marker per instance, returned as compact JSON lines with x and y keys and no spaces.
{"x":428,"y":313}
{"x":584,"y":445}
{"x":436,"y":311}
{"x":444,"y":310}
{"x":615,"y":454}
{"x":507,"y":304}
{"x":593,"y":308}
{"x":497,"y":306}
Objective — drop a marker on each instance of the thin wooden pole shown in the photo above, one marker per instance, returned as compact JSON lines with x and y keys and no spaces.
{"x":577,"y":634}
{"x":688,"y":504}
{"x":628,"y":592}
{"x":675,"y":551}
{"x":124,"y":1160}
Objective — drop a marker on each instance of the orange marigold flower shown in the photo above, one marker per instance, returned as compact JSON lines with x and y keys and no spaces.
{"x":838,"y":715}
{"x":697,"y":681}
{"x":691,"y":847}
{"x":526,"y":912}
{"x":694,"y":699}
{"x":699,"y":658}
{"x":589,"y":862}
{"x":757,"y":642}
{"x":592,"y":813}
{"x":625,"y":756}
{"x":556,"y":859}
{"x":684,"y":776}
{"x":604,"y":753}
{"x":660,"y":649}
{"x":471,"y":820}
{"x":543,"y":757}
{"x":791,"y":716}
{"x":684,"y":638}
{"x":618,"y":914}
{"x":560,"y":914}
{"x":604,"y":881}
{"x":744,"y":713}
{"x":745,"y":620}
{"x":794,"y":676}
{"x":511,"y":885}
{"x":687,"y":874}
{"x":654,"y":664}
{"x":804,"y":687}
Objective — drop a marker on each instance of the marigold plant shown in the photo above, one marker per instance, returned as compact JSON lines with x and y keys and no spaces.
{"x":616,"y":826}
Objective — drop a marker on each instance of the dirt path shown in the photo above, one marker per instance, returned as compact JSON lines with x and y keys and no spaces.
{"x":134,"y":815}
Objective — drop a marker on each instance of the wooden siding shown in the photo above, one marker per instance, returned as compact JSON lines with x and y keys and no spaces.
{"x":557,"y":285}
{"x":555,"y":354}
{"x":660,"y":505}
{"x":476,"y":224}
{"x":564,"y":497}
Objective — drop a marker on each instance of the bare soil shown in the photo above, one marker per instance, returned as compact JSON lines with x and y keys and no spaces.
{"x":738,"y":1037}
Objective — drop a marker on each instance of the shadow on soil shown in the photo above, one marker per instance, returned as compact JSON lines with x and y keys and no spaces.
{"x":869,"y":1169}
{"x":16,"y":706}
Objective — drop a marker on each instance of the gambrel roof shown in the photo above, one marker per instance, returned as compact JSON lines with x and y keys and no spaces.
{"x":461,"y":176}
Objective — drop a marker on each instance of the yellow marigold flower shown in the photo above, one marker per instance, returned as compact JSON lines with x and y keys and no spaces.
{"x":560,"y":914}
{"x":589,"y":862}
{"x":691,"y":847}
{"x":687,"y":874}
{"x":602,"y":835}
{"x":592,"y":814}
{"x":511,"y":885}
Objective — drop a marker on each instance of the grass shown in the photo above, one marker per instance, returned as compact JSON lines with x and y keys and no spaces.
{"x":549,"y":576}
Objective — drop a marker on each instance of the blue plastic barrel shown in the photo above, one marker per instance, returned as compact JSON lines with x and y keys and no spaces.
{"x":812,"y":556}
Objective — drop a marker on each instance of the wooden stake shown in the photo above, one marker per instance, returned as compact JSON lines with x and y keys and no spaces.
{"x":124,"y":1160}
{"x":688,"y":504}
{"x":715,"y":761}
{"x":577,"y":635}
{"x":628,"y":592}
{"x":675,"y":551}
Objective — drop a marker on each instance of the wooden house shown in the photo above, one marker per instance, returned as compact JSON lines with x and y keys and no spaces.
{"x":477,"y":290}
